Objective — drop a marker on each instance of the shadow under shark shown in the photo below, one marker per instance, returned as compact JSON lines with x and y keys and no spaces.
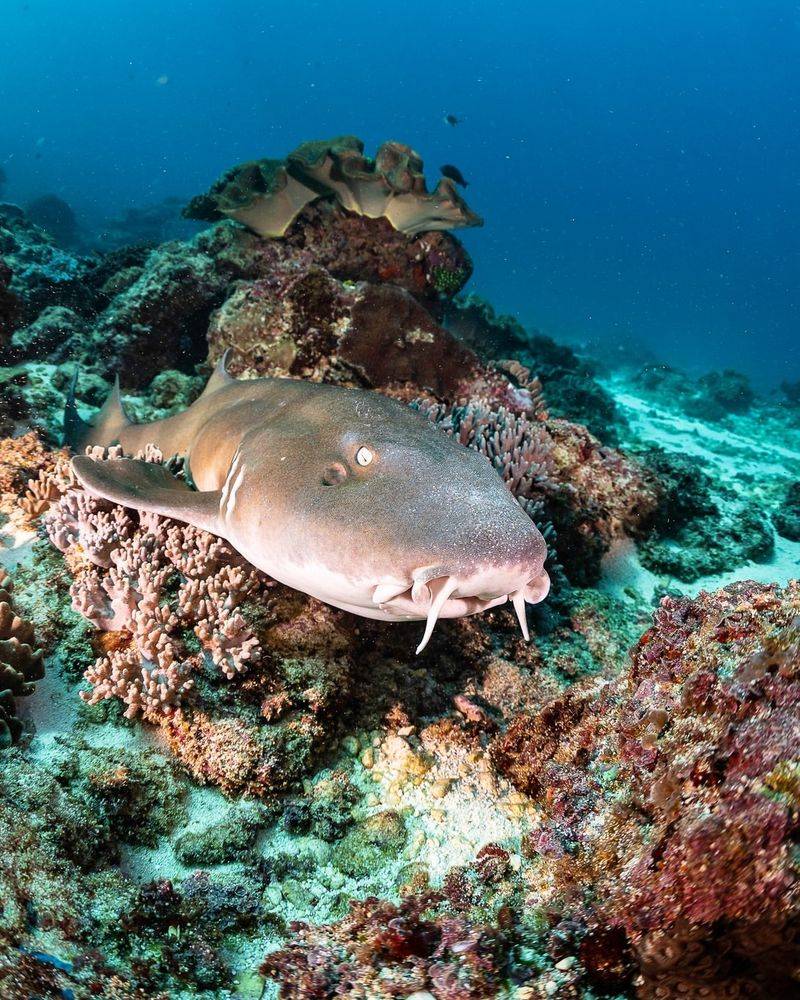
{"x":344,"y":494}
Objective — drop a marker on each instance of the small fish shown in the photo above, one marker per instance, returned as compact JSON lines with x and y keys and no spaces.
{"x":452,"y":120}
{"x":343,"y":494}
{"x":448,"y":170}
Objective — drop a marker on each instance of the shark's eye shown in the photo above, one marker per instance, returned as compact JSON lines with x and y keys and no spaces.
{"x":364,"y":456}
{"x":334,"y":474}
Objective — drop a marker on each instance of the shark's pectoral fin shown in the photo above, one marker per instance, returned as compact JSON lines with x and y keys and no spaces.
{"x":148,"y":486}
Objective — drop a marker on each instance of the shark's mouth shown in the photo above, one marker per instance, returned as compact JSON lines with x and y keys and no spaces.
{"x":434,"y":595}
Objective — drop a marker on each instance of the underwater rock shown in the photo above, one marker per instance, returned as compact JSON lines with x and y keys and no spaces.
{"x":267,"y":195}
{"x":382,"y":949}
{"x":711,"y":397}
{"x":231,"y":839}
{"x":146,"y":224}
{"x":314,"y":326}
{"x":698,"y":531}
{"x":32,"y":396}
{"x":787,"y":518}
{"x":56,"y":334}
{"x":41,"y":273}
{"x":54,"y":215}
{"x":720,"y":393}
{"x":153,"y":312}
{"x":21,"y":664}
{"x":356,"y":248}
{"x":10,"y":306}
{"x":670,"y":796}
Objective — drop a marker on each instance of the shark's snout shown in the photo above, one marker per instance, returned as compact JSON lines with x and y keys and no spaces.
{"x":438,"y":593}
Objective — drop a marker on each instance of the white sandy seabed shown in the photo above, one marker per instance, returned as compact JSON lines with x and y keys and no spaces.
{"x":751,"y":454}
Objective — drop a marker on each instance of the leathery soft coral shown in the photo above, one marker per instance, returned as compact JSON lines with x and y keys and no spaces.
{"x":125,"y":564}
{"x":671,"y":798}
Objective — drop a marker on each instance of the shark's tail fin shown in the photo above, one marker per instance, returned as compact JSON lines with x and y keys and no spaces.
{"x":106,"y":427}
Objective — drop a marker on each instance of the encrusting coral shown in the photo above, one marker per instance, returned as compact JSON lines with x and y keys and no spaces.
{"x":267,"y":195}
{"x":21,"y":664}
{"x":670,"y":796}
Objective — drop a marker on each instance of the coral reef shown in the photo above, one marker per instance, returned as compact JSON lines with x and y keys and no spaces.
{"x":712,"y":397}
{"x":311,"y":325}
{"x":55,"y":216}
{"x":9,"y":306}
{"x":494,"y":818}
{"x":569,"y":383}
{"x":182,"y":612}
{"x":20,"y":663}
{"x":268,"y":195}
{"x":695,"y":534}
{"x":41,"y":272}
{"x":591,"y":495}
{"x":668,"y":798}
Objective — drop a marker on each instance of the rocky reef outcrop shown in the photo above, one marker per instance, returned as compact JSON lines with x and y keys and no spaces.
{"x":557,"y":818}
{"x":662,"y":859}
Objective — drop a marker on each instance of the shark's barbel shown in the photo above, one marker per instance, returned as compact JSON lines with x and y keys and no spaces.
{"x":343,"y":494}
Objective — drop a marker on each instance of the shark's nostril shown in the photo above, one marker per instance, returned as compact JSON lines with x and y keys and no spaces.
{"x":537,"y":589}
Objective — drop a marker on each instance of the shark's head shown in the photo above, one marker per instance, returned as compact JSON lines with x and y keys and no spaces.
{"x":363,"y":503}
{"x":346,"y":495}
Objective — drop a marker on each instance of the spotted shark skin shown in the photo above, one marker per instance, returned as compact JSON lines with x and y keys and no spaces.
{"x":344,"y":494}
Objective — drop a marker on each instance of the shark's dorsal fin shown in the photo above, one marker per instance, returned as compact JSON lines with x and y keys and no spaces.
{"x":107,"y":425}
{"x":148,"y":486}
{"x":75,"y":428}
{"x":219,"y":377}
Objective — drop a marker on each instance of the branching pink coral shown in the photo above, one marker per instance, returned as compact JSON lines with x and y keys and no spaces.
{"x":517,"y":445}
{"x":125,"y":565}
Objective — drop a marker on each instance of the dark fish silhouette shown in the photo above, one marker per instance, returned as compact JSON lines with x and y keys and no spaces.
{"x":452,"y":120}
{"x":454,"y":174}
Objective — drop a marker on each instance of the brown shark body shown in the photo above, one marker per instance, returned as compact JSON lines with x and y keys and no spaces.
{"x":344,"y":494}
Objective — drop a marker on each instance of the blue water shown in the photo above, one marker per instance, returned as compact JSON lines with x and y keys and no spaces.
{"x":636,"y":163}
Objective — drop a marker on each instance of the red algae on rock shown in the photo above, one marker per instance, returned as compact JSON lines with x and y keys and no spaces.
{"x":668,"y":798}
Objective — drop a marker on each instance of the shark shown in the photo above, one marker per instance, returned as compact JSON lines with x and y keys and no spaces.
{"x":345,"y":494}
